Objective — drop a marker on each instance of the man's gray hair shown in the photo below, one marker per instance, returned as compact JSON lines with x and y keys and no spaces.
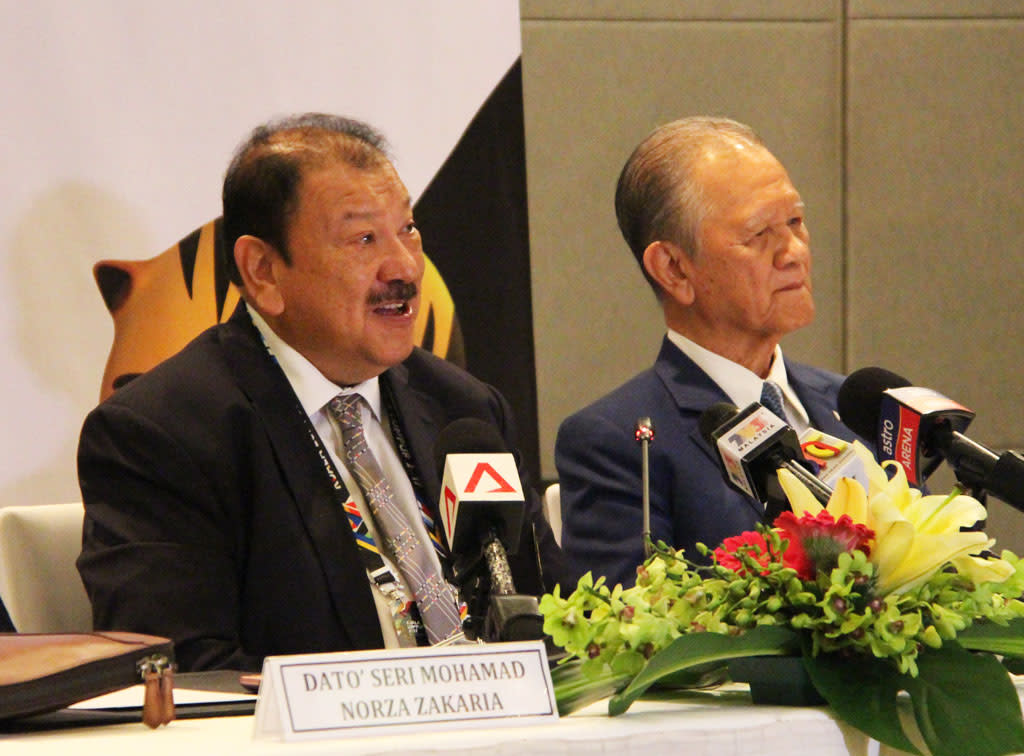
{"x":658,"y":197}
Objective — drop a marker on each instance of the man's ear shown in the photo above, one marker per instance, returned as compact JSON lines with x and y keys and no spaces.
{"x":258,"y":263}
{"x":670,"y":267}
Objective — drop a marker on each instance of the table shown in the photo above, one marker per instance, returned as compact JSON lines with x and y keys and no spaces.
{"x":718,"y":723}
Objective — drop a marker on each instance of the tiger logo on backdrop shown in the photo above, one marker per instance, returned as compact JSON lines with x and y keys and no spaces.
{"x":159,"y":305}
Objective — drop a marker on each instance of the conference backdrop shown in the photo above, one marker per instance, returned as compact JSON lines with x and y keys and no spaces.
{"x":120,"y":118}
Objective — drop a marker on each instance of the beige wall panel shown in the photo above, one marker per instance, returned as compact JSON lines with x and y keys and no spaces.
{"x":963,"y":9}
{"x":936,"y":212}
{"x":592,"y":91}
{"x":680,"y":9}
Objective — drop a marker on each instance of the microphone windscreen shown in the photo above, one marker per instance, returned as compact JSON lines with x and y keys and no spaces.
{"x":860,"y":398}
{"x":714,"y":417}
{"x":467,"y":435}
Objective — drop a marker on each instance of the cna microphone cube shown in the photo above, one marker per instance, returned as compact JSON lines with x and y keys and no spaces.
{"x":481,"y":492}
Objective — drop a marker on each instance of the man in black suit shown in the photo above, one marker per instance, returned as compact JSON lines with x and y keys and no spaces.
{"x":221,"y":507}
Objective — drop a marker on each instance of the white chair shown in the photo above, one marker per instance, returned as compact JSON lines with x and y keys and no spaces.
{"x":553,"y":510}
{"x":39,"y":582}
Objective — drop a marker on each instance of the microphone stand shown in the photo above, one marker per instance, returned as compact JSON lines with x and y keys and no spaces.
{"x":981,"y":469}
{"x":496,"y":611}
{"x":511,"y":616}
{"x":644,"y":436}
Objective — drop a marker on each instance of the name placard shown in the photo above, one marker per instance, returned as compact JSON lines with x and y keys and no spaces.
{"x":404,"y":690}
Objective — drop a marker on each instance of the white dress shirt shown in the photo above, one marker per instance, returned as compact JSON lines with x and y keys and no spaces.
{"x":314,"y":391}
{"x":741,"y":385}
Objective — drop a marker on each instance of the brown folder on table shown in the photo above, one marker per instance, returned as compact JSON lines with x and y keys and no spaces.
{"x":42,"y":672}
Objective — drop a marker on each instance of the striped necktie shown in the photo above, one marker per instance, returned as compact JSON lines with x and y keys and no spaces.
{"x":771,"y":397}
{"x":434,"y":597}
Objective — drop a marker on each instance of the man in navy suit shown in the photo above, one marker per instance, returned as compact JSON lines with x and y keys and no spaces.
{"x":222,"y":507}
{"x":719,"y":231}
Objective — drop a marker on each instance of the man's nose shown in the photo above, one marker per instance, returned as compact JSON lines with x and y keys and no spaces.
{"x":404,"y":261}
{"x":793,"y":248}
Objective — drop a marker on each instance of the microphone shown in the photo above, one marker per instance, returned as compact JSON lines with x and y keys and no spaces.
{"x":919,"y":427}
{"x":832,"y":458}
{"x":752,"y":446}
{"x":482,"y":510}
{"x":644,"y":436}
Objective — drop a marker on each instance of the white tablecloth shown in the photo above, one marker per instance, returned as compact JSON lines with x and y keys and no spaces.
{"x":722,"y":723}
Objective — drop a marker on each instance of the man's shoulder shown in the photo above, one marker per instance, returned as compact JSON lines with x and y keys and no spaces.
{"x":673,"y":378}
{"x":642,"y":395}
{"x":812,"y":377}
{"x":198,"y":373}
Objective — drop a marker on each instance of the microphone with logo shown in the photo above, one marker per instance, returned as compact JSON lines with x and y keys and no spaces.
{"x":752,"y":446}
{"x":919,"y":427}
{"x":482,"y":510}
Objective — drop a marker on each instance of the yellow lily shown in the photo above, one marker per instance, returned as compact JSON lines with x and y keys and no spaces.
{"x":915,"y":535}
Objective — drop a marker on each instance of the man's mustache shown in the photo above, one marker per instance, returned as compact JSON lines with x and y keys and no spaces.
{"x":395,"y":290}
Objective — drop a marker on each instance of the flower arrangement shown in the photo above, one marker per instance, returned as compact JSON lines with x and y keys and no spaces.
{"x":881,"y":591}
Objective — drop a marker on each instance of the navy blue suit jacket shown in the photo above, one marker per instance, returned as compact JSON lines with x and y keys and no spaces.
{"x":598,"y":463}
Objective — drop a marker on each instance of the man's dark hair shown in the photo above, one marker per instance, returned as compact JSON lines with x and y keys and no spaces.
{"x":261,"y":186}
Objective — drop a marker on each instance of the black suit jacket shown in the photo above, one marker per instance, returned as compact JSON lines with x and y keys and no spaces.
{"x":209,"y":517}
{"x":599,"y":466}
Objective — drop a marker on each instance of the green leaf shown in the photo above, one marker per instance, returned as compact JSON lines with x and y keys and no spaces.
{"x":996,"y":639}
{"x":962,"y":702}
{"x":862,"y":692}
{"x":966,"y":703}
{"x":693,"y":649}
{"x":574,"y":690}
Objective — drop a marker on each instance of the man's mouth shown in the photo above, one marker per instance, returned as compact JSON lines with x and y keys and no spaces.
{"x":794,"y":285}
{"x":395,"y":300}
{"x":394,"y":309}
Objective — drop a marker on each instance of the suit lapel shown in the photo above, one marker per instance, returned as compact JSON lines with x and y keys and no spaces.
{"x":305,"y":477}
{"x":691,"y":389}
{"x":420,"y":418}
{"x":817,"y":393}
{"x":693,"y":392}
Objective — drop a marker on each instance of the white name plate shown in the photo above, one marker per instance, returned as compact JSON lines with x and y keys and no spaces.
{"x":404,"y":690}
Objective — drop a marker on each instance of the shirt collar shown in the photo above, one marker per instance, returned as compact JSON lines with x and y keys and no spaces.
{"x":312,"y":388}
{"x":741,"y":385}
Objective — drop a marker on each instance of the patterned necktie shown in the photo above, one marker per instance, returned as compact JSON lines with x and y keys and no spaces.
{"x":434,"y":597}
{"x":771,"y":397}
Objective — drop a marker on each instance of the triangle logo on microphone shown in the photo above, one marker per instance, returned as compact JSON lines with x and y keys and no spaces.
{"x":485,"y":468}
{"x":451,"y":505}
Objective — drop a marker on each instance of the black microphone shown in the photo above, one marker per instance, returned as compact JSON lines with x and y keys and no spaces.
{"x":482,"y":509}
{"x":752,"y":446}
{"x":919,"y":427}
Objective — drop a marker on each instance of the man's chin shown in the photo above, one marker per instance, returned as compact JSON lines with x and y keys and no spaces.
{"x":393,"y":355}
{"x":795,"y":318}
